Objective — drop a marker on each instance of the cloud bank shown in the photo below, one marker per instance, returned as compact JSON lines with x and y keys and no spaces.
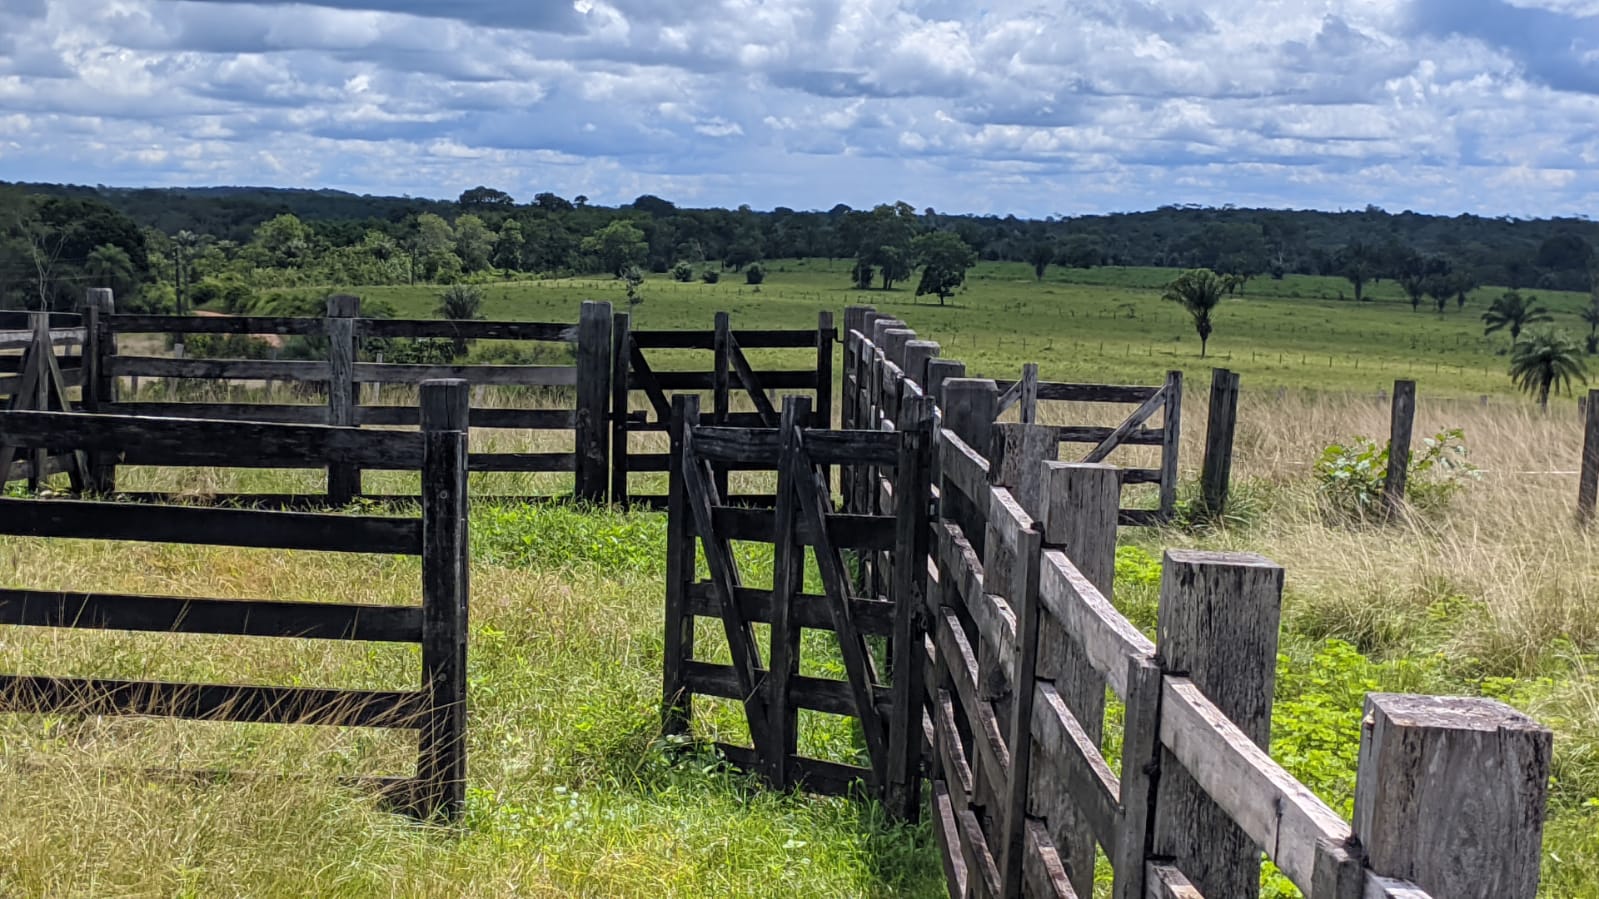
{"x":1488,"y":106}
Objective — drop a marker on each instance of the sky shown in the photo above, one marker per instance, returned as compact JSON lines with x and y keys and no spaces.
{"x":1032,"y":108}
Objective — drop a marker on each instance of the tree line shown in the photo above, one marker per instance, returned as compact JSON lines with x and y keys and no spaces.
{"x":179,"y":248}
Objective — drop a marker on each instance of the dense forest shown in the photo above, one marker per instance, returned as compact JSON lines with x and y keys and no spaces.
{"x":174,"y":249}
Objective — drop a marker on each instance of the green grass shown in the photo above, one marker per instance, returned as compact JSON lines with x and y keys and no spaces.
{"x":1103,"y":324}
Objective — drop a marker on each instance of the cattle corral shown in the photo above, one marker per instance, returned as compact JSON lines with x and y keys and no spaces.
{"x":1020,"y":596}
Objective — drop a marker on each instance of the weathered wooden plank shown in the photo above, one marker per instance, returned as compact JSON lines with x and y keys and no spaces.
{"x":621,"y":341}
{"x":803,"y":379}
{"x":593,"y":378}
{"x":1107,"y":638}
{"x":676,"y":699}
{"x":1096,"y":435}
{"x":908,"y":591}
{"x":1275,"y":811}
{"x":284,"y":413}
{"x":214,"y":324}
{"x":858,"y":664}
{"x":982,"y":872}
{"x":818,"y":694}
{"x":522,"y":462}
{"x":1089,"y":393}
{"x":1166,"y":882}
{"x":344,"y":479}
{"x":1080,"y":767}
{"x":753,"y":338}
{"x":751,"y":384}
{"x":641,"y":377}
{"x":508,"y":419}
{"x":461,"y":329}
{"x":194,"y":615}
{"x":210,"y":702}
{"x":1046,"y":875}
{"x":812,"y":775}
{"x":946,"y":831}
{"x":210,"y":527}
{"x":217,"y":369}
{"x":1171,"y":432}
{"x":1140,"y":773}
{"x":989,"y":741}
{"x":138,"y":440}
{"x":788,"y":562}
{"x":951,"y":751}
{"x":446,"y":571}
{"x":1128,"y":425}
{"x":490,"y":375}
{"x":729,"y":445}
{"x":859,"y":532}
{"x":964,"y":468}
{"x":874,"y":616}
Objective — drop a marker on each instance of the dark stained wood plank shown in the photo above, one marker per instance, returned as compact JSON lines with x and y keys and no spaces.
{"x":862,"y":532}
{"x":210,"y":527}
{"x":521,"y":462}
{"x":804,"y":379}
{"x":1130,"y":424}
{"x":217,"y":369}
{"x":874,"y":616}
{"x":592,"y":463}
{"x":754,"y":338}
{"x":788,"y":563}
{"x":446,"y":591}
{"x":210,"y":702}
{"x":492,"y":375}
{"x":211,"y":324}
{"x":235,"y":617}
{"x":283,"y":413}
{"x":509,"y":419}
{"x":678,"y":650}
{"x":139,"y":440}
{"x":557,"y":332}
{"x":1089,"y":393}
{"x":813,"y":775}
{"x":815,"y":693}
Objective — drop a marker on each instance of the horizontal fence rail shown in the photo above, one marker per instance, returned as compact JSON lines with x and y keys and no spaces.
{"x":436,"y":711}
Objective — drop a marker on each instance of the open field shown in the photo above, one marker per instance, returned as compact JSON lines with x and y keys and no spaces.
{"x":1103,"y":324}
{"x":572,"y":793}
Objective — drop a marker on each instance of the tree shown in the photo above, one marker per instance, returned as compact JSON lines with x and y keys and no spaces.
{"x":1590,"y":317}
{"x":508,"y":245}
{"x":683,"y":272}
{"x":862,"y":274}
{"x":285,"y":239}
{"x":885,"y":241}
{"x":552,"y":202}
{"x":633,"y":280}
{"x":616,"y":246}
{"x":1082,"y":251}
{"x":1511,"y":312}
{"x":1546,"y":359}
{"x":474,"y":243}
{"x":460,"y":302}
{"x":109,"y":266}
{"x":1356,"y":264}
{"x":1440,"y":287}
{"x":1199,"y":291}
{"x":755,"y":274}
{"x":481,"y":197}
{"x":1040,"y":255}
{"x":944,"y":259}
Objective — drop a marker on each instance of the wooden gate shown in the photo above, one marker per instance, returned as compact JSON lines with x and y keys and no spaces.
{"x":870,"y":629}
{"x":39,"y":384}
{"x":732,"y":377}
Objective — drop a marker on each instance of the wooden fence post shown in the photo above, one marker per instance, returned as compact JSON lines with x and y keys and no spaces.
{"x":969,"y":406}
{"x":854,"y":320}
{"x":99,"y":387}
{"x":1171,"y":429}
{"x":1078,"y":509}
{"x":676,"y":700}
{"x":1450,"y":795}
{"x":593,"y":401}
{"x":344,"y":481}
{"x":721,"y":383}
{"x":43,"y":351}
{"x":788,"y":569}
{"x":1217,"y":626}
{"x":917,"y":354}
{"x":908,"y":592}
{"x":823,"y":416}
{"x":1403,"y":417}
{"x":441,"y":766}
{"x":1028,"y":412}
{"x":939,"y":371}
{"x":1588,"y":486}
{"x":1219,"y":430}
{"x":621,"y":388}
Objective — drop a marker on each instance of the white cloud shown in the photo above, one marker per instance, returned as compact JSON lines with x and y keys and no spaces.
{"x":1018,"y":106}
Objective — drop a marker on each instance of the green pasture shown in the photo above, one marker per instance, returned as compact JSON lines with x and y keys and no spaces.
{"x":1102,"y":324}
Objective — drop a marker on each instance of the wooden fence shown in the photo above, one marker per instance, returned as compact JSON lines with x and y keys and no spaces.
{"x":773,"y":691}
{"x":437,"y":710}
{"x":1024,"y":641}
{"x":879,"y":351}
{"x":591,"y":398}
{"x":343,"y":374}
{"x":32,"y":376}
{"x":730,"y":376}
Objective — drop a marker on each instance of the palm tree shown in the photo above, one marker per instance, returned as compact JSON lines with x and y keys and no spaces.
{"x":1199,"y":291}
{"x":460,"y":302}
{"x":1546,"y":359}
{"x":1590,"y":317}
{"x":1512,"y":312}
{"x":108,"y":265}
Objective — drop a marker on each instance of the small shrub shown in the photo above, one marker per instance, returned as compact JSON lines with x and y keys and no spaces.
{"x":755,"y":274}
{"x":710,"y":276}
{"x":1351,"y":476}
{"x":683,"y":272}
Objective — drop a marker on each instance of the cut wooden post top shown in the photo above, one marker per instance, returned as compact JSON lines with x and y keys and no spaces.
{"x":1452,"y":712}
{"x":344,"y":305}
{"x":446,"y":404}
